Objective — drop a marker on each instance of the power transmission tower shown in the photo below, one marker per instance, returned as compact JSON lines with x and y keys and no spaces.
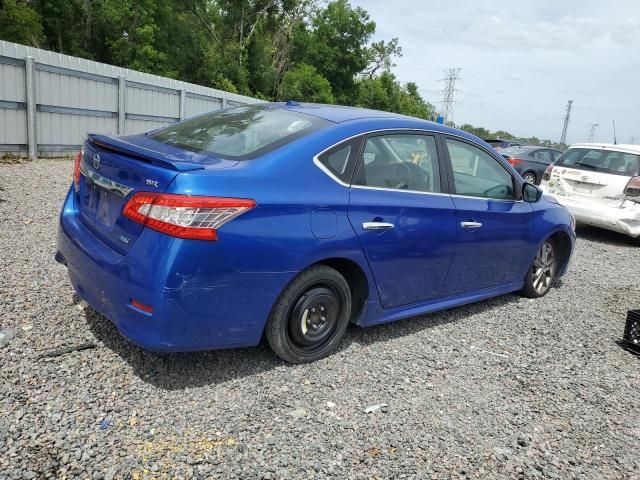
{"x":567,"y":117}
{"x":452,"y":75}
{"x":592,"y":131}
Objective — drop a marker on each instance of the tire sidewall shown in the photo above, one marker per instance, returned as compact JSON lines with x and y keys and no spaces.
{"x":277,"y":326}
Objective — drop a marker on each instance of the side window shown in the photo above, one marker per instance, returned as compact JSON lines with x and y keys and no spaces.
{"x":400,"y":161}
{"x":341,"y":159}
{"x":478,"y":174}
{"x":543,"y":156}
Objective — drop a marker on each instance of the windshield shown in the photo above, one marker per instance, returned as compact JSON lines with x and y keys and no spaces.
{"x":240,"y":133}
{"x":599,"y":160}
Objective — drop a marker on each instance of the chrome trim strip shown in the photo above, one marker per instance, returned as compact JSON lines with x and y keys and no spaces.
{"x":104,"y":182}
{"x":328,"y":172}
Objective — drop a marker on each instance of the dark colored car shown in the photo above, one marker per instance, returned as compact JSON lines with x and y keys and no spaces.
{"x":530,"y":161}
{"x":500,"y":144}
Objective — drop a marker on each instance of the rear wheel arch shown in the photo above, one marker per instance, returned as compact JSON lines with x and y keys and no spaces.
{"x":357,"y":280}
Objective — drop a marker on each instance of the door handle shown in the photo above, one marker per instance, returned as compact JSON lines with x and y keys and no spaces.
{"x":470,"y":225}
{"x":376,"y":226}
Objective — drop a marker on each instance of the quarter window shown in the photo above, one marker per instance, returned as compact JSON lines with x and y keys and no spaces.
{"x":478,"y":174}
{"x":340,"y":160}
{"x":400,"y":162}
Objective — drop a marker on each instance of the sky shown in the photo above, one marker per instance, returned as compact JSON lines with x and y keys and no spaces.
{"x":522,"y":61}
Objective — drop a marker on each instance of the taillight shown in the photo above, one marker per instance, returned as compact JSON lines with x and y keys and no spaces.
{"x":514,"y":161}
{"x":76,"y":170}
{"x":185,"y":216}
{"x":633,"y":189}
{"x":547,"y":173}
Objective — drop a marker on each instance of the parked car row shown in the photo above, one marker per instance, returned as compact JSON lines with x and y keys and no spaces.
{"x":530,"y":161}
{"x":290,"y":221}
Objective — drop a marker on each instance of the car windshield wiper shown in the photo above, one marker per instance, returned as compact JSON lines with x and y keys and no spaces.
{"x":587,"y":165}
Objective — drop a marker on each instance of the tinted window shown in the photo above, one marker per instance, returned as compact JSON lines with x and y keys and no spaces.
{"x":240,"y":133}
{"x":543,"y":156}
{"x":340,"y":160}
{"x":478,"y":174}
{"x":599,"y":160}
{"x":400,"y":161}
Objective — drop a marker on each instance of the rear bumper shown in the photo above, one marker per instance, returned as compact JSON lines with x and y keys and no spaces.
{"x":199,"y":301}
{"x":624,"y":218}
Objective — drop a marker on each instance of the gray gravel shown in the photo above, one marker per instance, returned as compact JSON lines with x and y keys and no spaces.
{"x":507,"y":388}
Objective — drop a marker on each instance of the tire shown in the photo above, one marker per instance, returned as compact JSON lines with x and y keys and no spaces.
{"x":542,"y":272}
{"x":310,"y":316}
{"x":530,"y":177}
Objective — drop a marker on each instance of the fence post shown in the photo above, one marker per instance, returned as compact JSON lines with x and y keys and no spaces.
{"x":32,"y":139}
{"x":224,"y":103}
{"x":183,"y":99}
{"x":122,"y":112}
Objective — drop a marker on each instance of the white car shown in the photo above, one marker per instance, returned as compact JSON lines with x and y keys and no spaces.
{"x":599,"y":184}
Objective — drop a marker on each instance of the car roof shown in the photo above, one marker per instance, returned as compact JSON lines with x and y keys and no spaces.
{"x":340,"y":114}
{"x":337,"y":113}
{"x":626,"y":148}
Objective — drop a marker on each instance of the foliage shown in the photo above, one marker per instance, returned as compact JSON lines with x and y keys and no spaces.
{"x":385,"y":93}
{"x":501,"y":134}
{"x":20,"y":23}
{"x":307,"y":50}
{"x":304,"y":83}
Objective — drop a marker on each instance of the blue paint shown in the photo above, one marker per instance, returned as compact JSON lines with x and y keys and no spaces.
{"x":218,"y":294}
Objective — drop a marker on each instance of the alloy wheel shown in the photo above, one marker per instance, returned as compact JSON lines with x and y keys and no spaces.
{"x":529,"y":177}
{"x":544,"y":268}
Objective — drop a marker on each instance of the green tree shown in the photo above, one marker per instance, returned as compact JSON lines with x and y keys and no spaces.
{"x":336,"y":45}
{"x":20,"y":23}
{"x":384,"y":92}
{"x":304,"y":83}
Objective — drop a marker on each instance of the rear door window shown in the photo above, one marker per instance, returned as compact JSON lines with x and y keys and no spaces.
{"x":600,"y":160}
{"x":241,"y":133}
{"x":400,"y":162}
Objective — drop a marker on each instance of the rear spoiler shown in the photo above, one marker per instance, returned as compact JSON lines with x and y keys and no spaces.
{"x":141,"y":153}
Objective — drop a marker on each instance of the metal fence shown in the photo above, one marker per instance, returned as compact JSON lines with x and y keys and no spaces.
{"x":49,"y":101}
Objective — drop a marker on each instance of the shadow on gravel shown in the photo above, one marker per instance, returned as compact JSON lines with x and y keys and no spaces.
{"x":176,"y":371}
{"x":601,"y":235}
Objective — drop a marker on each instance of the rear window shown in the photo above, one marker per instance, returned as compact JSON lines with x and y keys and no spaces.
{"x":599,"y":160}
{"x":240,"y":133}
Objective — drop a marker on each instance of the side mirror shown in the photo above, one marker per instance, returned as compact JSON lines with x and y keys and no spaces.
{"x":531,"y":193}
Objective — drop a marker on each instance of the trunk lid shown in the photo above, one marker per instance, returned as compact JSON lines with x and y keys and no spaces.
{"x":593,"y":175}
{"x":588,"y":186}
{"x":113,"y":169}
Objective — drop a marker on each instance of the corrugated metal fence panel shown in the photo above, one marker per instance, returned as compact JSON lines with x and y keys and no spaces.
{"x":68,"y":91}
{"x":198,"y":105}
{"x":12,"y":83}
{"x":73,"y":96}
{"x":159,"y":103}
{"x":141,"y":126}
{"x":12,"y":131}
{"x":65,"y":129}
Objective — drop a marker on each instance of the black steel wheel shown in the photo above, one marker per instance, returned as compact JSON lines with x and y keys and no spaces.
{"x":310,"y":316}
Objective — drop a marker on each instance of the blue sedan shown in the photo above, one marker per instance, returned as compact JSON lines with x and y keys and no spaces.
{"x":290,"y":221}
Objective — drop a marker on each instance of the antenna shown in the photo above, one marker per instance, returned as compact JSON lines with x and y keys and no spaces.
{"x":592,"y":131}
{"x":567,"y":117}
{"x":452,"y":75}
{"x":615,"y":140}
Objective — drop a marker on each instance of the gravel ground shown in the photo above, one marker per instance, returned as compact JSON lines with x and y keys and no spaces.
{"x":506,"y":388}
